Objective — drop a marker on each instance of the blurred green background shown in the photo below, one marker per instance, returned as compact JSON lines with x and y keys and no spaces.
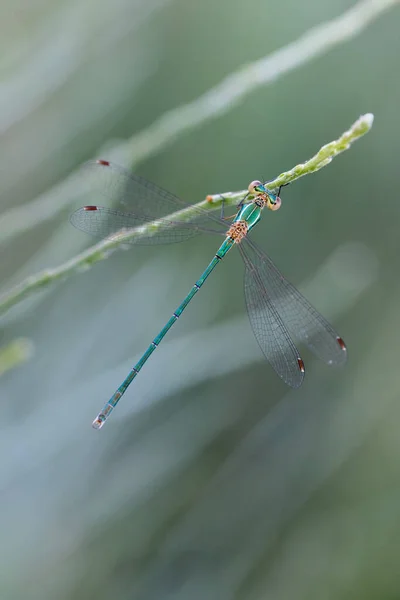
{"x":212,"y":479}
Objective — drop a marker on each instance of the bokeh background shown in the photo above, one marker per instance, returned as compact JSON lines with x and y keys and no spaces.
{"x":212,"y":479}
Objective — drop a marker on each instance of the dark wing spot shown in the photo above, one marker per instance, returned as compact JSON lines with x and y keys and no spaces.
{"x":341,"y":343}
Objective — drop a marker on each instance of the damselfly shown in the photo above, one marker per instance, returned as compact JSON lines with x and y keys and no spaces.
{"x":277,"y":311}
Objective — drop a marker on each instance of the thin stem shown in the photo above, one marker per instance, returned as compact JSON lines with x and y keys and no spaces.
{"x":238,"y":85}
{"x":322,"y":158}
{"x":215,"y":102}
{"x":103,"y":249}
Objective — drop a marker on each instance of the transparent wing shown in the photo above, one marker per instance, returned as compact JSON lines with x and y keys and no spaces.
{"x":268,"y":327}
{"x":137,"y":202}
{"x":304,"y":323}
{"x":102,"y":222}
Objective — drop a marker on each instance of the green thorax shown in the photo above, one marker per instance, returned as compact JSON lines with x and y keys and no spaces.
{"x":250,"y":213}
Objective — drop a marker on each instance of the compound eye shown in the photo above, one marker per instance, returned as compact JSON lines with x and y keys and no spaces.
{"x":274,"y":202}
{"x":253,"y":187}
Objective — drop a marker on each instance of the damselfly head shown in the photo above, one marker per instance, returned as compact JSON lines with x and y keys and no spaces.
{"x":256,"y":187}
{"x":273,"y":201}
